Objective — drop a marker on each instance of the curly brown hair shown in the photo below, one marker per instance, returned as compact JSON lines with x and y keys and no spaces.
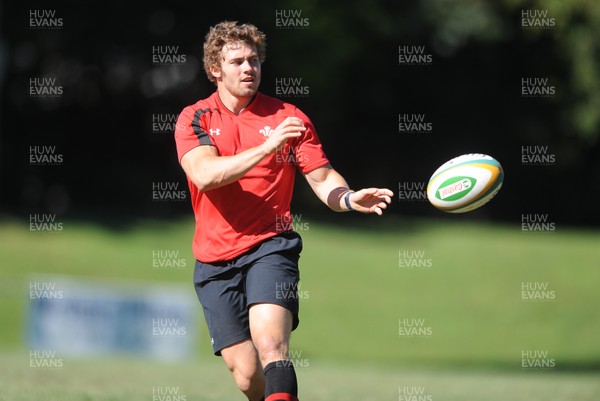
{"x":228,"y":32}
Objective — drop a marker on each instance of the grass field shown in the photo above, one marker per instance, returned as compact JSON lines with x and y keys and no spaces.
{"x":208,"y":380}
{"x":356,"y":289}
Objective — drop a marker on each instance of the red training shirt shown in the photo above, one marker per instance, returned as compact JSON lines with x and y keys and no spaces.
{"x":232,"y":219}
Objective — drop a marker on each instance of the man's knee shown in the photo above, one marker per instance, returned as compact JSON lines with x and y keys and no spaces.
{"x":271,"y":348}
{"x":242,"y":361}
{"x":249,"y":378}
{"x":243,"y":379}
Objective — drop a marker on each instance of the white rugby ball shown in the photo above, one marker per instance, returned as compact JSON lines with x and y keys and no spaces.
{"x":465,"y":183}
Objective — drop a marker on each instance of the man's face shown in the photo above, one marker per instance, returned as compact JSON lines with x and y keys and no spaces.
{"x":240,"y":70}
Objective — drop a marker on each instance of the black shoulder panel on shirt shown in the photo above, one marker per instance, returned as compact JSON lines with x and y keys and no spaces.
{"x":202,"y":135}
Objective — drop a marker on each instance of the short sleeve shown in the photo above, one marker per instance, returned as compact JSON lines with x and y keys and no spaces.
{"x":309,"y":151}
{"x":190,"y":131}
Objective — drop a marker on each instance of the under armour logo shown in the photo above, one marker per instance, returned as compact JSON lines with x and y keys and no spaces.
{"x":266,"y":131}
{"x":215,"y":131}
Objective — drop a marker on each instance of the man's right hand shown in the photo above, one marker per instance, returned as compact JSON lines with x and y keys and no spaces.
{"x":291,"y":127}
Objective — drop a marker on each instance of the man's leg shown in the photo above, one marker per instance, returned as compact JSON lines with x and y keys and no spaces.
{"x":270,"y":327}
{"x":242,"y":360}
{"x":221,"y":290}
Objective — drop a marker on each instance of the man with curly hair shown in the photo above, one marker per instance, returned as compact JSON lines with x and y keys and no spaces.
{"x":240,"y":150}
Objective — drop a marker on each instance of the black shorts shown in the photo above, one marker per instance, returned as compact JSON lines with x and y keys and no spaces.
{"x":268,"y":273}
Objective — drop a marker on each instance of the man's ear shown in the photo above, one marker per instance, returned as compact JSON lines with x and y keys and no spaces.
{"x":215,"y":72}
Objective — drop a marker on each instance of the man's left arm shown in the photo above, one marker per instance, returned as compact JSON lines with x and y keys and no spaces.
{"x":333,"y":190}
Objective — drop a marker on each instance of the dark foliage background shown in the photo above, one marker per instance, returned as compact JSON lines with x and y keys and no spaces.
{"x":348,"y":56}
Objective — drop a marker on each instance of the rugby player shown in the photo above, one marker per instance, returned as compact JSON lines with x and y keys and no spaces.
{"x":240,"y":150}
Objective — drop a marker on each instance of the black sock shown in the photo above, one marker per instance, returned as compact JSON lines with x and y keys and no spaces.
{"x":280,"y":381}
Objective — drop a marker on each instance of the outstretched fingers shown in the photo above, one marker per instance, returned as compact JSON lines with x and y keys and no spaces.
{"x":371,"y":200}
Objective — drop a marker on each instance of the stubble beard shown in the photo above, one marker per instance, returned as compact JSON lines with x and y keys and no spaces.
{"x":238,"y":90}
{"x":248,"y":92}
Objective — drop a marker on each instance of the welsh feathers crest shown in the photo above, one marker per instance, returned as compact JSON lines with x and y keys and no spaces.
{"x":266,"y":131}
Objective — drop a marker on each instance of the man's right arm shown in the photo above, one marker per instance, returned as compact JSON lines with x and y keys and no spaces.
{"x":207,"y":170}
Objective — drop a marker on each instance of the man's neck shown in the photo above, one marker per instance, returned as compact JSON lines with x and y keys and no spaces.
{"x":233,"y":103}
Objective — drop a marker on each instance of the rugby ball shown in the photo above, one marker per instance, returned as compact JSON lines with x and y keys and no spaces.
{"x":465,"y":183}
